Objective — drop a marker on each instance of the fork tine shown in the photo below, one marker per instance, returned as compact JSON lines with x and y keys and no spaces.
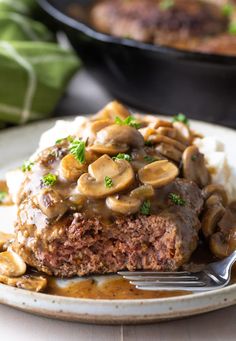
{"x":169,"y":283}
{"x":152,"y":273}
{"x":160,"y":278}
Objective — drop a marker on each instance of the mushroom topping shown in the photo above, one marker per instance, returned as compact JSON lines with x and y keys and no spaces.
{"x":51,"y":203}
{"x":211,"y":218}
{"x":169,"y":151}
{"x":156,"y":139}
{"x":116,"y":139}
{"x":183,"y":133}
{"x":142,"y":192}
{"x":158,"y":173}
{"x":211,"y":189}
{"x":28,"y":282}
{"x":194,"y":167}
{"x":112,"y":110}
{"x":5,"y":239}
{"x":11,"y":264}
{"x":166,"y":131}
{"x":71,"y":169}
{"x":123,"y":204}
{"x":106,"y":177}
{"x":219,"y":245}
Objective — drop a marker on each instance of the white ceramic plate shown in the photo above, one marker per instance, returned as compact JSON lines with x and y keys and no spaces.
{"x":15,"y":146}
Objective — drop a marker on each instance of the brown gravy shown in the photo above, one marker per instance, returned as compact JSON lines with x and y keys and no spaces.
{"x":117,"y":288}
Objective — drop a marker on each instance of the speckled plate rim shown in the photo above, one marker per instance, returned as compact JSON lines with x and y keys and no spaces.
{"x":108,"y":311}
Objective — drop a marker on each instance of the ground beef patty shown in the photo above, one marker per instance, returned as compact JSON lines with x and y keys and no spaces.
{"x":78,"y":245}
{"x":156,"y":21}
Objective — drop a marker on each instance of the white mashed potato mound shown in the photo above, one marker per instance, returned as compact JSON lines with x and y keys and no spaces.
{"x":218,"y":164}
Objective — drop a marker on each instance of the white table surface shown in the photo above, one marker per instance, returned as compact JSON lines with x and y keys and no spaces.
{"x":85,"y":96}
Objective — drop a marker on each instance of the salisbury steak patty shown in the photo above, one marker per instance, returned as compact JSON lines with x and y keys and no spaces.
{"x":153,"y":20}
{"x":78,"y":245}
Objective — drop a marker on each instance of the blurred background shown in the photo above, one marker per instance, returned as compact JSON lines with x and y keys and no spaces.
{"x":71,"y":57}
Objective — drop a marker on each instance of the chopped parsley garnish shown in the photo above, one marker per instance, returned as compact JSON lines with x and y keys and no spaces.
{"x":68,"y":138}
{"x":232,"y":27}
{"x":77,"y":149}
{"x":181,"y":118}
{"x":177,"y":200}
{"x":108,"y":182}
{"x":227,"y":9}
{"x":122,"y":156}
{"x":166,"y":4}
{"x":146,"y":207}
{"x":2,"y":196}
{"x":49,"y":179}
{"x":148,"y":143}
{"x":128,"y":121}
{"x":150,"y":158}
{"x":194,"y":157}
{"x":27,"y":166}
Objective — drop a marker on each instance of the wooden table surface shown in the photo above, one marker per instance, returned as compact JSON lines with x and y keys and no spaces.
{"x":86,"y":96}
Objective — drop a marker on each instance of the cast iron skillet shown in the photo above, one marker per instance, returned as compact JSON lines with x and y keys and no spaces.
{"x":149,"y":77}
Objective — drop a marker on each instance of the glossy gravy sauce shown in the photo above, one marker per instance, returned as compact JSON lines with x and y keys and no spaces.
{"x":116,"y":288}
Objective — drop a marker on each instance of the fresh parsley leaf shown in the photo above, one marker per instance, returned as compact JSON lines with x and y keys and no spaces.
{"x":194,"y":157}
{"x":77,"y":149}
{"x":128,"y":121}
{"x":232,"y":28}
{"x":181,"y":118}
{"x":149,"y":158}
{"x":122,"y":156}
{"x":27,"y":166}
{"x":49,"y":179}
{"x":146,"y":207}
{"x":108,"y":182}
{"x":166,"y":4}
{"x":227,"y":9}
{"x":2,"y":196}
{"x":177,"y":200}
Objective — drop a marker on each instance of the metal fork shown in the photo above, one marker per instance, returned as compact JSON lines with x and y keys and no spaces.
{"x":214,"y":276}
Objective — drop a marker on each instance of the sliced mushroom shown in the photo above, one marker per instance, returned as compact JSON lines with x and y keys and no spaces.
{"x":156,"y":139}
{"x":169,"y":152}
{"x":5,"y":239}
{"x":71,"y":169}
{"x":166,"y":131}
{"x":93,"y":127}
{"x":147,"y":132}
{"x":112,"y":110}
{"x":194,"y":167}
{"x":28,"y":282}
{"x":92,"y":184}
{"x":11,"y":264}
{"x":160,"y":123}
{"x":183,"y":133}
{"x":142,"y":192}
{"x":123,"y":204}
{"x":219,"y":245}
{"x":211,"y":189}
{"x":158,"y":173}
{"x":116,"y":139}
{"x":211,"y":218}
{"x":51,"y":203}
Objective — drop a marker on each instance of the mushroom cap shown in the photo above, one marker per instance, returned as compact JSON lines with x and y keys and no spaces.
{"x":194,"y":167}
{"x":112,"y":110}
{"x":51,"y":203}
{"x":92,"y":184}
{"x":123,"y":204}
{"x":11,"y":264}
{"x":5,"y":239}
{"x":117,"y":139}
{"x":158,"y":173}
